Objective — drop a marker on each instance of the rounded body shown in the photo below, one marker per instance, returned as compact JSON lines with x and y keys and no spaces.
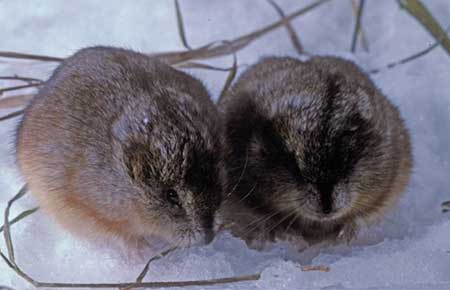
{"x":117,"y":143}
{"x":311,"y":149}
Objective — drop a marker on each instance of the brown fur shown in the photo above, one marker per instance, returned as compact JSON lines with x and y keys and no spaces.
{"x":311,"y":150}
{"x":120,"y":144}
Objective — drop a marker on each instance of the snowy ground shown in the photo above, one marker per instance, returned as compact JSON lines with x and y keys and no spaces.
{"x":411,"y":250}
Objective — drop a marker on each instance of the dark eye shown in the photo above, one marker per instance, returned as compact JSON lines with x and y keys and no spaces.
{"x":172,"y":198}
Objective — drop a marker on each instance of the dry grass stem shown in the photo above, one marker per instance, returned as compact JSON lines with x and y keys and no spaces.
{"x":21,"y":216}
{"x":222,"y":48}
{"x":419,"y":11}
{"x":230,"y":78}
{"x":409,"y":58}
{"x":445,"y":206}
{"x":9,"y":54}
{"x":180,"y":25}
{"x":357,"y":29}
{"x":20,"y":78}
{"x":15,"y":88}
{"x":6,"y":224}
{"x":199,"y":65}
{"x":11,"y":115}
{"x":144,"y":271}
{"x":211,"y":50}
{"x":364,"y":42}
{"x":291,"y":31}
{"x":319,"y":268}
{"x":130,"y":285}
{"x":11,"y":262}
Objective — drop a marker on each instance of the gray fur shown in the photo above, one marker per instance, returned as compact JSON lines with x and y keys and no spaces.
{"x":311,"y":149}
{"x":108,"y":136}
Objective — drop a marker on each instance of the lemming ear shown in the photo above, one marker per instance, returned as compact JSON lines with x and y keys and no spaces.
{"x":364,"y":105}
{"x":243,"y":119}
{"x":250,"y":131}
{"x":129,"y":152}
{"x":121,"y":128}
{"x":137,"y":162}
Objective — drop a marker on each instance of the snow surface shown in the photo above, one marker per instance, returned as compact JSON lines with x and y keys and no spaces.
{"x":410,"y":250}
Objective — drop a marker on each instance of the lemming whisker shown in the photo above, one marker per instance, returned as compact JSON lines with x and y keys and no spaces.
{"x":290,"y":224}
{"x":260,"y":221}
{"x":293,"y":212}
{"x":244,"y":169}
{"x":249,"y":193}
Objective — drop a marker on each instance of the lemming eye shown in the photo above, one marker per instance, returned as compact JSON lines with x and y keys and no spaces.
{"x":172,"y":197}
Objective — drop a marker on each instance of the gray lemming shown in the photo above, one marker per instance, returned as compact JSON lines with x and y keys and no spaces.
{"x":312,"y":149}
{"x":122,"y":145}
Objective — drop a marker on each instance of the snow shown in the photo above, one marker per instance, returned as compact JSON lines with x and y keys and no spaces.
{"x":410,"y":250}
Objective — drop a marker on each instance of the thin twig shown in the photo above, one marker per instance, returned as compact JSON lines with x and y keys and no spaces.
{"x":21,"y":216}
{"x":423,"y":15}
{"x":12,"y":115}
{"x":19,"y":271}
{"x":10,"y":54}
{"x":171,"y":284}
{"x":142,"y":275}
{"x":357,"y":25}
{"x":19,"y":78}
{"x":208,"y":282}
{"x":180,"y":24}
{"x":10,"y":261}
{"x":15,"y":88}
{"x":216,"y":49}
{"x":230,"y":78}
{"x":361,"y":32}
{"x":409,"y":58}
{"x":144,"y":271}
{"x":6,"y":225}
{"x":292,"y":34}
{"x":445,"y":206}
{"x":311,"y":268}
{"x":199,"y":65}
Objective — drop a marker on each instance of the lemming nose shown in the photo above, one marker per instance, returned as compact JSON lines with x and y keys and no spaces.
{"x":326,"y":209}
{"x":326,"y":199}
{"x":209,"y":236}
{"x":327,"y":204}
